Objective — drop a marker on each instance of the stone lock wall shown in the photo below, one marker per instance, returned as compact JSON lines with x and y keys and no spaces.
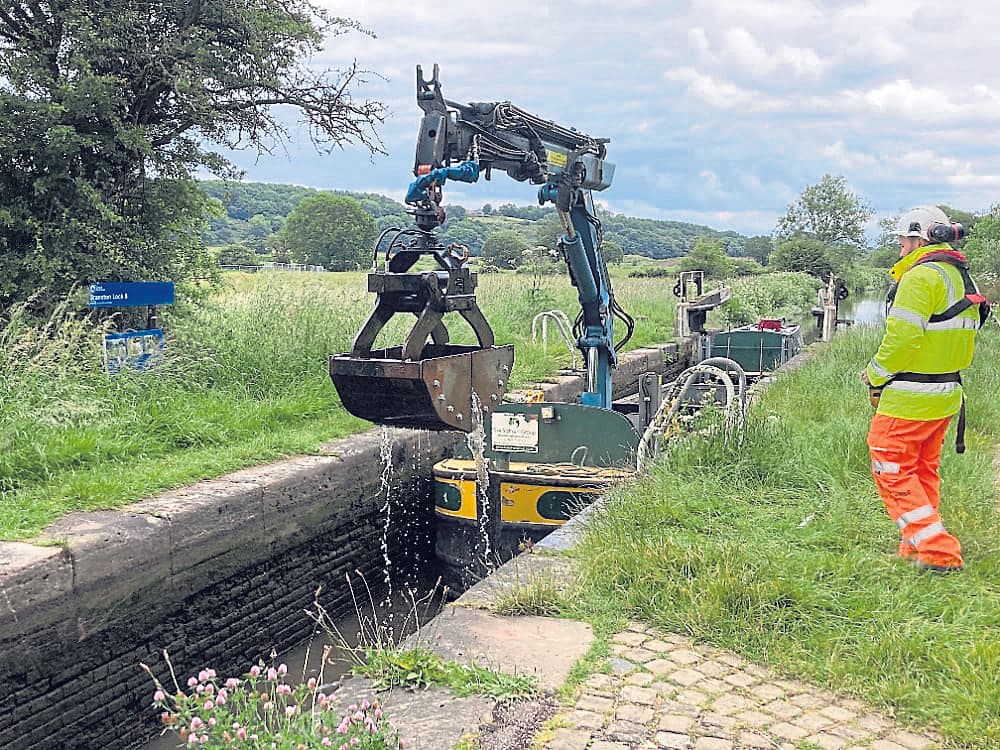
{"x":217,"y":574}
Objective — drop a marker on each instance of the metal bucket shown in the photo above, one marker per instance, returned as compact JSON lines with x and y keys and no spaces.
{"x":430,"y":393}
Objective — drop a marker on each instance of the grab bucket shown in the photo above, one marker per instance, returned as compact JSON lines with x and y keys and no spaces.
{"x":430,"y":393}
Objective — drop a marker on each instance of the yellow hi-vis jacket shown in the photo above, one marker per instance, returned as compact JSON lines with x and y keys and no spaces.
{"x":913,"y":344}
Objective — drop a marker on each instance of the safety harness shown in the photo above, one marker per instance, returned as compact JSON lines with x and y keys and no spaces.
{"x":971,"y":296}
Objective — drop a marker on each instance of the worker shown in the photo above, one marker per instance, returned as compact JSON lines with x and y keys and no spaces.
{"x":914,"y":380}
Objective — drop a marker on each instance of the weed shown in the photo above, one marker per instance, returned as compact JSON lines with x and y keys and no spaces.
{"x":261,"y":709}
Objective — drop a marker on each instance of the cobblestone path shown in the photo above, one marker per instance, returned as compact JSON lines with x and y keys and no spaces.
{"x":667,"y":692}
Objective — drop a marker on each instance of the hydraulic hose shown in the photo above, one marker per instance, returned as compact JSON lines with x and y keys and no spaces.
{"x":734,"y":408}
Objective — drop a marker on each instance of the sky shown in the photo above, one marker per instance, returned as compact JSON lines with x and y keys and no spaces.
{"x":720,"y":112}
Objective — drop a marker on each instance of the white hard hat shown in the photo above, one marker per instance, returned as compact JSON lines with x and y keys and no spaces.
{"x":916,"y":221}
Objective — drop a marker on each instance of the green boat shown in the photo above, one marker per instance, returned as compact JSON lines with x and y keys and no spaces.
{"x":759,"y":348}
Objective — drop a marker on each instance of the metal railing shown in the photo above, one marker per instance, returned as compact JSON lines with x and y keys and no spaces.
{"x":562,"y":323}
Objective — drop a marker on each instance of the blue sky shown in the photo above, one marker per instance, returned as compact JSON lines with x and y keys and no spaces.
{"x":719,"y":111}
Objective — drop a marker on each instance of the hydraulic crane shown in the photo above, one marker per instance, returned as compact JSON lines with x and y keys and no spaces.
{"x":544,"y":459}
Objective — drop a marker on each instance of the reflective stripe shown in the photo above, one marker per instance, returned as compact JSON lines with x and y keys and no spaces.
{"x":933,"y":530}
{"x":910,"y":317}
{"x":885,"y":467}
{"x":916,"y":514}
{"x":952,"y":298}
{"x":904,"y":385}
{"x":879,"y":370}
{"x":954,"y":323}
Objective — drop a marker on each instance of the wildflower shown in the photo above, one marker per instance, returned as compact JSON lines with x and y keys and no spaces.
{"x":166,"y":718}
{"x":232,"y":683}
{"x":241,"y":733}
{"x":282,"y":669}
{"x":209,"y":705}
{"x":204,"y":739}
{"x":211,"y":674}
{"x":192,"y":681}
{"x":159,"y":697}
{"x":210,"y":688}
{"x":272,"y":673}
{"x":311,"y":684}
{"x":266,"y":706}
{"x":344,"y":726}
{"x":196,"y":723}
{"x":355,"y":741}
{"x":326,"y":742}
{"x":255,"y":670}
{"x":220,"y":699}
{"x":284,"y":690}
{"x":203,"y":676}
{"x":291,"y":711}
{"x":378,"y":713}
{"x":192,"y":739}
{"x":365,"y":705}
{"x":211,"y":721}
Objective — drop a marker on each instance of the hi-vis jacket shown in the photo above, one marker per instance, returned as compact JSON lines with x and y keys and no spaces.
{"x":914,"y":344}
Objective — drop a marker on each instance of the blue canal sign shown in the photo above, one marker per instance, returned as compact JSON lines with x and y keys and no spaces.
{"x":136,"y":350}
{"x":131,"y":293}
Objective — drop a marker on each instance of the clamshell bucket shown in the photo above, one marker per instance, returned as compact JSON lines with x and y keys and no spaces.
{"x":433,"y":392}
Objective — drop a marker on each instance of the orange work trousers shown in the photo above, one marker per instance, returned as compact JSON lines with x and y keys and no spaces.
{"x":905,"y":455}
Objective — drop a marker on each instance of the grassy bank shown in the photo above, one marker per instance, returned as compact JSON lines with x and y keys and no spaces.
{"x":777,"y":546}
{"x":244,"y":381}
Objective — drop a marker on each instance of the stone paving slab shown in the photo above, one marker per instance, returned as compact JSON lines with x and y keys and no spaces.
{"x":542,"y":646}
{"x":430,"y":719}
{"x":667,"y":692}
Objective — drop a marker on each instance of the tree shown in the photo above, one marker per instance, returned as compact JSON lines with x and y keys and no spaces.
{"x":612,"y":251}
{"x":504,"y":249}
{"x":257,"y":229}
{"x":107,"y":109}
{"x":802,"y":254}
{"x":759,"y":248}
{"x":983,"y":244}
{"x":237,"y":255}
{"x":707,"y":256}
{"x":828,"y":212}
{"x":330,"y":230}
{"x":548,"y":231}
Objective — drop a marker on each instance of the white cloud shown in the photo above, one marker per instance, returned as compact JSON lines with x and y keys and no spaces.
{"x":718,"y":110}
{"x":715,"y":93}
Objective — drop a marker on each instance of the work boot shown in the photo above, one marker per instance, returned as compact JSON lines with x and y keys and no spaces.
{"x":931,"y":567}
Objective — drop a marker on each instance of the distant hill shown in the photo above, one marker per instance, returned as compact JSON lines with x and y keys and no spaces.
{"x":253,"y":210}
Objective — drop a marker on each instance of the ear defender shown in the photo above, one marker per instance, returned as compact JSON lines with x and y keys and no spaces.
{"x":938,"y":232}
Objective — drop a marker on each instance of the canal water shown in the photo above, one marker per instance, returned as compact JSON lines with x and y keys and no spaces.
{"x":864,"y":310}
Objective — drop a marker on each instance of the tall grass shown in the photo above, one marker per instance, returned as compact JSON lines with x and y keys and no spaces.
{"x":777,"y":545}
{"x":774,"y":295}
{"x":244,"y":380}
